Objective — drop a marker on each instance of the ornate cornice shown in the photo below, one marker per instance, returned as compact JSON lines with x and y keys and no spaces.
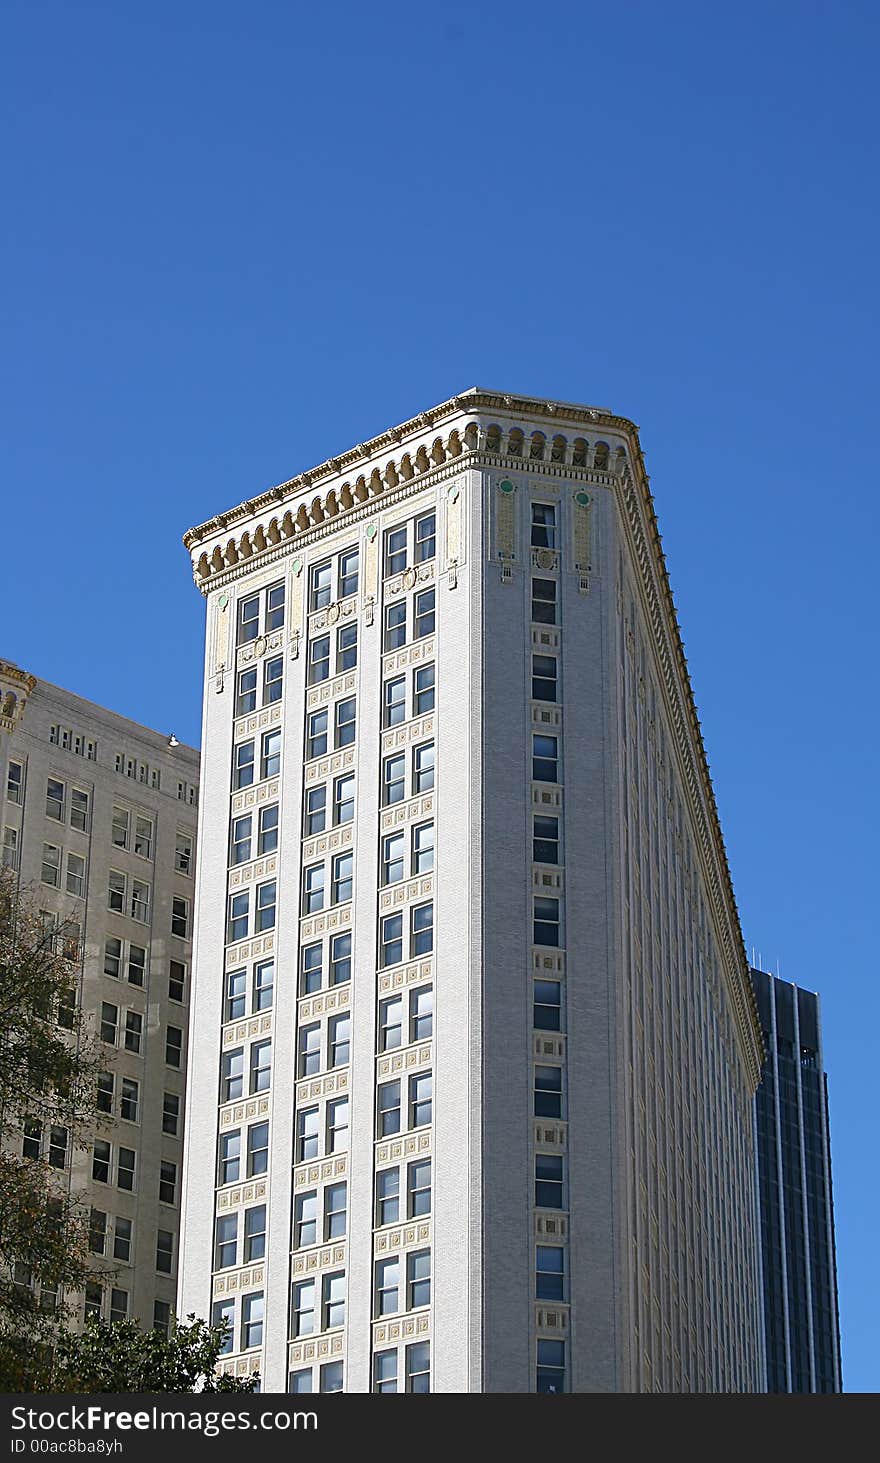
{"x":13,"y":701}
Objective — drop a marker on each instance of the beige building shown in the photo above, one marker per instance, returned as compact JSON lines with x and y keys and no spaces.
{"x":493,"y":1130}
{"x":99,"y":821}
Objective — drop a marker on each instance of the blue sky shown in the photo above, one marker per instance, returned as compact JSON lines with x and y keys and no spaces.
{"x":241,"y":239}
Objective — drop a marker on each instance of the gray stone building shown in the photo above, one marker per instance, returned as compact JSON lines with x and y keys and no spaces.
{"x":99,"y":822}
{"x":493,"y":1130}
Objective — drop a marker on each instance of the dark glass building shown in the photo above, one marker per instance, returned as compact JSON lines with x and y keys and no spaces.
{"x":801,"y":1328}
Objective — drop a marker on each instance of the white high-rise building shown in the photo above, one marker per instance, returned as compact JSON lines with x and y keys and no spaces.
{"x":473,"y":1042}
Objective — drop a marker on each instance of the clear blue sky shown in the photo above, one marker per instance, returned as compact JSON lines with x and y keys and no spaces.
{"x":242,"y":238}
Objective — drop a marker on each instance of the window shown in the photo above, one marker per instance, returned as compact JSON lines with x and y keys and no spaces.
{"x":101,"y":1162}
{"x":113,"y":958}
{"x":140,"y":901}
{"x":419,"y":1188}
{"x":337,"y":1125}
{"x":94,"y":1299}
{"x":317,"y":738}
{"x":173,"y":1045}
{"x":310,"y":1049}
{"x":118,"y":1304}
{"x":137,"y":964}
{"x":346,"y":723}
{"x":426,"y":538}
{"x":393,"y":851}
{"x":176,"y":981}
{"x":418,"y":1279}
{"x":232,"y":1075}
{"x":311,"y":969}
{"x":313,"y":892}
{"x":423,"y":623}
{"x":167,"y":1181}
{"x":423,"y":768}
{"x":548,"y":1005}
{"x":252,"y":1320}
{"x":395,"y":701}
{"x":391,"y":1024}
{"x":171,"y":1114}
{"x":306,"y":1219}
{"x":304,"y":1308}
{"x":548,"y":1181}
{"x":343,"y":799}
{"x":97,"y":1232}
{"x":307,"y":1133}
{"x":392,"y":940}
{"x":395,"y":551}
{"x":122,"y":1239}
{"x":120,"y":827}
{"x":346,"y":648}
{"x":222,"y":1314}
{"x":545,"y":758}
{"x":387,"y":1196}
{"x":143,"y":837}
{"x":267,"y":841}
{"x":270,"y":765}
{"x":393,"y":773}
{"x":543,"y":526}
{"x":387,"y":1286}
{"x":388,"y":1109}
{"x":266,"y":896}
{"x":274,"y":607}
{"x":340,"y":1040}
{"x":79,"y":809}
{"x":236,"y":995}
{"x":420,"y":1100}
{"x":348,"y":573}
{"x":162,"y":1316}
{"x":340,"y":959}
{"x":545,"y":840}
{"x":343,"y":875}
{"x":15,"y":782}
{"x":550,"y":1273}
{"x":264,"y":982}
{"x":183,"y":852}
{"x":254,"y":1233}
{"x":335,"y":1206}
{"x":106,"y":1084}
{"x":395,"y":625}
{"x":257,"y":1149}
{"x":385,"y":1371}
{"x":109,"y":1022}
{"x":239,"y":916}
{"x":243,"y":775}
{"x":422,"y":930}
{"x":261,"y":1066}
{"x":321,"y":585}
{"x":58,"y":1147}
{"x":273,"y":680}
{"x":331,"y":1376}
{"x":546,"y":925}
{"x":164,"y":1251}
{"x":55,"y":791}
{"x":125,"y":1169}
{"x":319,"y":660}
{"x":246,"y":694}
{"x":421,"y":1013}
{"x":548,"y":1092}
{"x":316,"y":810}
{"x":180,"y":916}
{"x":128,"y":1102}
{"x":51,"y":869}
{"x":424,"y":690}
{"x":248,"y":619}
{"x":229,"y":1162}
{"x":423,"y":848}
{"x":10,"y":848}
{"x":551,"y":1366}
{"x":76,"y":874}
{"x":418,"y":1367}
{"x":544,"y":678}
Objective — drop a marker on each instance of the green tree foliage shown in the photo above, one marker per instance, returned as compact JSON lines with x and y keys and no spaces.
{"x":120,"y":1357}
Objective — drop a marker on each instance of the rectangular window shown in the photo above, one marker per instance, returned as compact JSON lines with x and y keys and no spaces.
{"x":267,"y":840}
{"x":388,"y":1196}
{"x":97,"y":1232}
{"x":426,"y":537}
{"x":385,"y":1371}
{"x":424,"y":691}
{"x":312,"y":975}
{"x":55,"y":792}
{"x":265,"y":914}
{"x":10,"y":848}
{"x":171,"y":1114}
{"x":180,"y":917}
{"x":391,"y":1024}
{"x":176,"y":981}
{"x":313,"y":888}
{"x":388,"y":1109}
{"x":424,"y":614}
{"x":143,"y":837}
{"x":393,"y":854}
{"x":101,"y":1162}
{"x":94,"y":1300}
{"x":118,"y":1304}
{"x":76,"y":875}
{"x":348,"y":573}
{"x":331,"y":1376}
{"x":137,"y":965}
{"x":164,"y":1251}
{"x":418,"y":1279}
{"x":317,"y":738}
{"x":545,"y":758}
{"x":106,"y":1084}
{"x":340,"y":959}
{"x":343,"y":876}
{"x":241,"y":839}
{"x":15,"y":782}
{"x":140,"y":901}
{"x":310,"y":1049}
{"x":548,"y":1005}
{"x":544,"y":601}
{"x":387,"y":1286}
{"x":261,"y":1066}
{"x":393,"y":774}
{"x":51,"y":867}
{"x":346,"y":722}
{"x":551,"y":1366}
{"x":252,"y":1321}
{"x":273,"y":680}
{"x":423,"y":768}
{"x":548,"y":1181}
{"x":543,"y":525}
{"x":419,"y":1188}
{"x":125,"y":1169}
{"x":257,"y":1149}
{"x":58,"y":1147}
{"x":337,"y":1125}
{"x":248,"y":619}
{"x":162,"y":1316}
{"x":79,"y":809}
{"x":264,"y":981}
{"x":128,"y":1101}
{"x":306,"y":1220}
{"x":223,"y":1314}
{"x":173,"y":1046}
{"x":122,"y":1230}
{"x":548,"y":1092}
{"x":335,"y":1206}
{"x":236,"y":995}
{"x":229,"y":1160}
{"x":418,"y":1367}
{"x":109,"y":1022}
{"x":391,"y":951}
{"x":183,"y":852}
{"x":546,"y":923}
{"x":421,"y":1013}
{"x":134,"y":1026}
{"x":307,"y":1133}
{"x":346,"y":648}
{"x":420,"y":1100}
{"x":274,"y":607}
{"x":343,"y":799}
{"x":243,"y":775}
{"x":423,"y":848}
{"x":167,"y":1181}
{"x":422,"y":929}
{"x":254,"y":1233}
{"x":395,"y":625}
{"x":246,"y":694}
{"x":395,"y":551}
{"x":232,"y":1075}
{"x":340,"y":1040}
{"x":239,"y":916}
{"x":544,"y":678}
{"x":304,"y":1308}
{"x":270,"y":764}
{"x":545,"y":840}
{"x":550,"y":1272}
{"x":316,"y":810}
{"x":322,"y":581}
{"x":319,"y":660}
